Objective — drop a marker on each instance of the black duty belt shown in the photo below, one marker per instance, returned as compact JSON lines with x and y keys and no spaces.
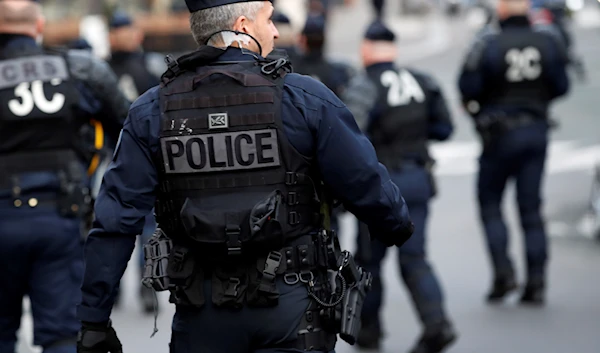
{"x":30,"y":201}
{"x":519,"y":120}
{"x":31,"y":162}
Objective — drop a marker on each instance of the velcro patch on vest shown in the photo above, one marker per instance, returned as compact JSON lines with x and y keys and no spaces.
{"x":35,"y":68}
{"x":218,"y":152}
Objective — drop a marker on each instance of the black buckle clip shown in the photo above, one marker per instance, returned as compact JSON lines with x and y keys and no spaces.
{"x":232,"y":287}
{"x":272,"y":265}
{"x":293,"y":218}
{"x":292,"y":198}
{"x":291,"y":178}
{"x":172,"y":64}
{"x":178,"y":258}
{"x":234,"y":245}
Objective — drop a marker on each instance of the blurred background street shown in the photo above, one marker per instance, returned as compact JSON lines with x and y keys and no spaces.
{"x":436,"y":43}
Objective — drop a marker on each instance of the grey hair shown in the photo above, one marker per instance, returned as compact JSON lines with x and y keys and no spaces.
{"x":206,"y":22}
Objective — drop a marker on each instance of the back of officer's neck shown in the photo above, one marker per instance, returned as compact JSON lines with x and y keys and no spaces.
{"x":515,"y":20}
{"x":18,"y":30}
{"x":378,"y":52}
{"x":6,"y":38}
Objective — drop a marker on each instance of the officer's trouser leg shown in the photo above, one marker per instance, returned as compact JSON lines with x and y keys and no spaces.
{"x":55,"y":282}
{"x":529,"y":180}
{"x":417,"y":273}
{"x":15,"y":268}
{"x":52,"y":249}
{"x":493,"y":175}
{"x":378,"y":5}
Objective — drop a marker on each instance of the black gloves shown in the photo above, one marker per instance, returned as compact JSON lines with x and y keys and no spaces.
{"x":98,"y":338}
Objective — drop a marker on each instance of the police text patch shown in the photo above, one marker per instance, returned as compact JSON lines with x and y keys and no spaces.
{"x":35,"y":68}
{"x":221,"y":152}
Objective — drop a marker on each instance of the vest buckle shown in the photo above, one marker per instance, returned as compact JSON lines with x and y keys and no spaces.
{"x":234,"y":245}
{"x":172,"y":65}
{"x":293,"y":218}
{"x":291,"y":178}
{"x":272,"y":265}
{"x":179,"y":256}
{"x":232,"y":287}
{"x":292,"y":198}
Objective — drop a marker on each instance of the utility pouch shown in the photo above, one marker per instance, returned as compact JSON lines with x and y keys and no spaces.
{"x":229,"y":286}
{"x":265,"y":224}
{"x":186,"y":279}
{"x":262,"y":291}
{"x":156,"y":255}
{"x":75,"y":199}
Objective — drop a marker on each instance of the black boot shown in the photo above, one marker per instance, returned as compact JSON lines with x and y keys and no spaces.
{"x":370,"y":335}
{"x":435,"y":338}
{"x":503,"y":284}
{"x":534,"y":293}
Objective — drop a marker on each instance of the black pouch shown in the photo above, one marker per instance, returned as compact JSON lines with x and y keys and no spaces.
{"x":217,"y":233}
{"x":185,"y":277}
{"x":265,"y":223}
{"x":205,"y":227}
{"x":229,"y":287}
{"x":262,"y":290}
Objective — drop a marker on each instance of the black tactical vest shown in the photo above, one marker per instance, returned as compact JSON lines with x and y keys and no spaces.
{"x":401,"y":131}
{"x":231,"y":185}
{"x":520,"y":82}
{"x":37,"y":112}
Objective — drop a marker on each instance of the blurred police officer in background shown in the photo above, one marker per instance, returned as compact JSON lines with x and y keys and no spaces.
{"x":288,"y":36}
{"x":400,"y":109}
{"x":46,"y":98}
{"x":509,"y":78}
{"x":313,"y":61}
{"x":239,"y":157}
{"x":80,"y":44}
{"x":137,"y":72}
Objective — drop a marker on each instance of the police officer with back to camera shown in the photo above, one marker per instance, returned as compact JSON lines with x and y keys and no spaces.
{"x":242,"y":159}
{"x":137,"y":72}
{"x":507,"y":83}
{"x":46,"y":99}
{"x":400,"y":109}
{"x":313,"y":62}
{"x":288,"y":36}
